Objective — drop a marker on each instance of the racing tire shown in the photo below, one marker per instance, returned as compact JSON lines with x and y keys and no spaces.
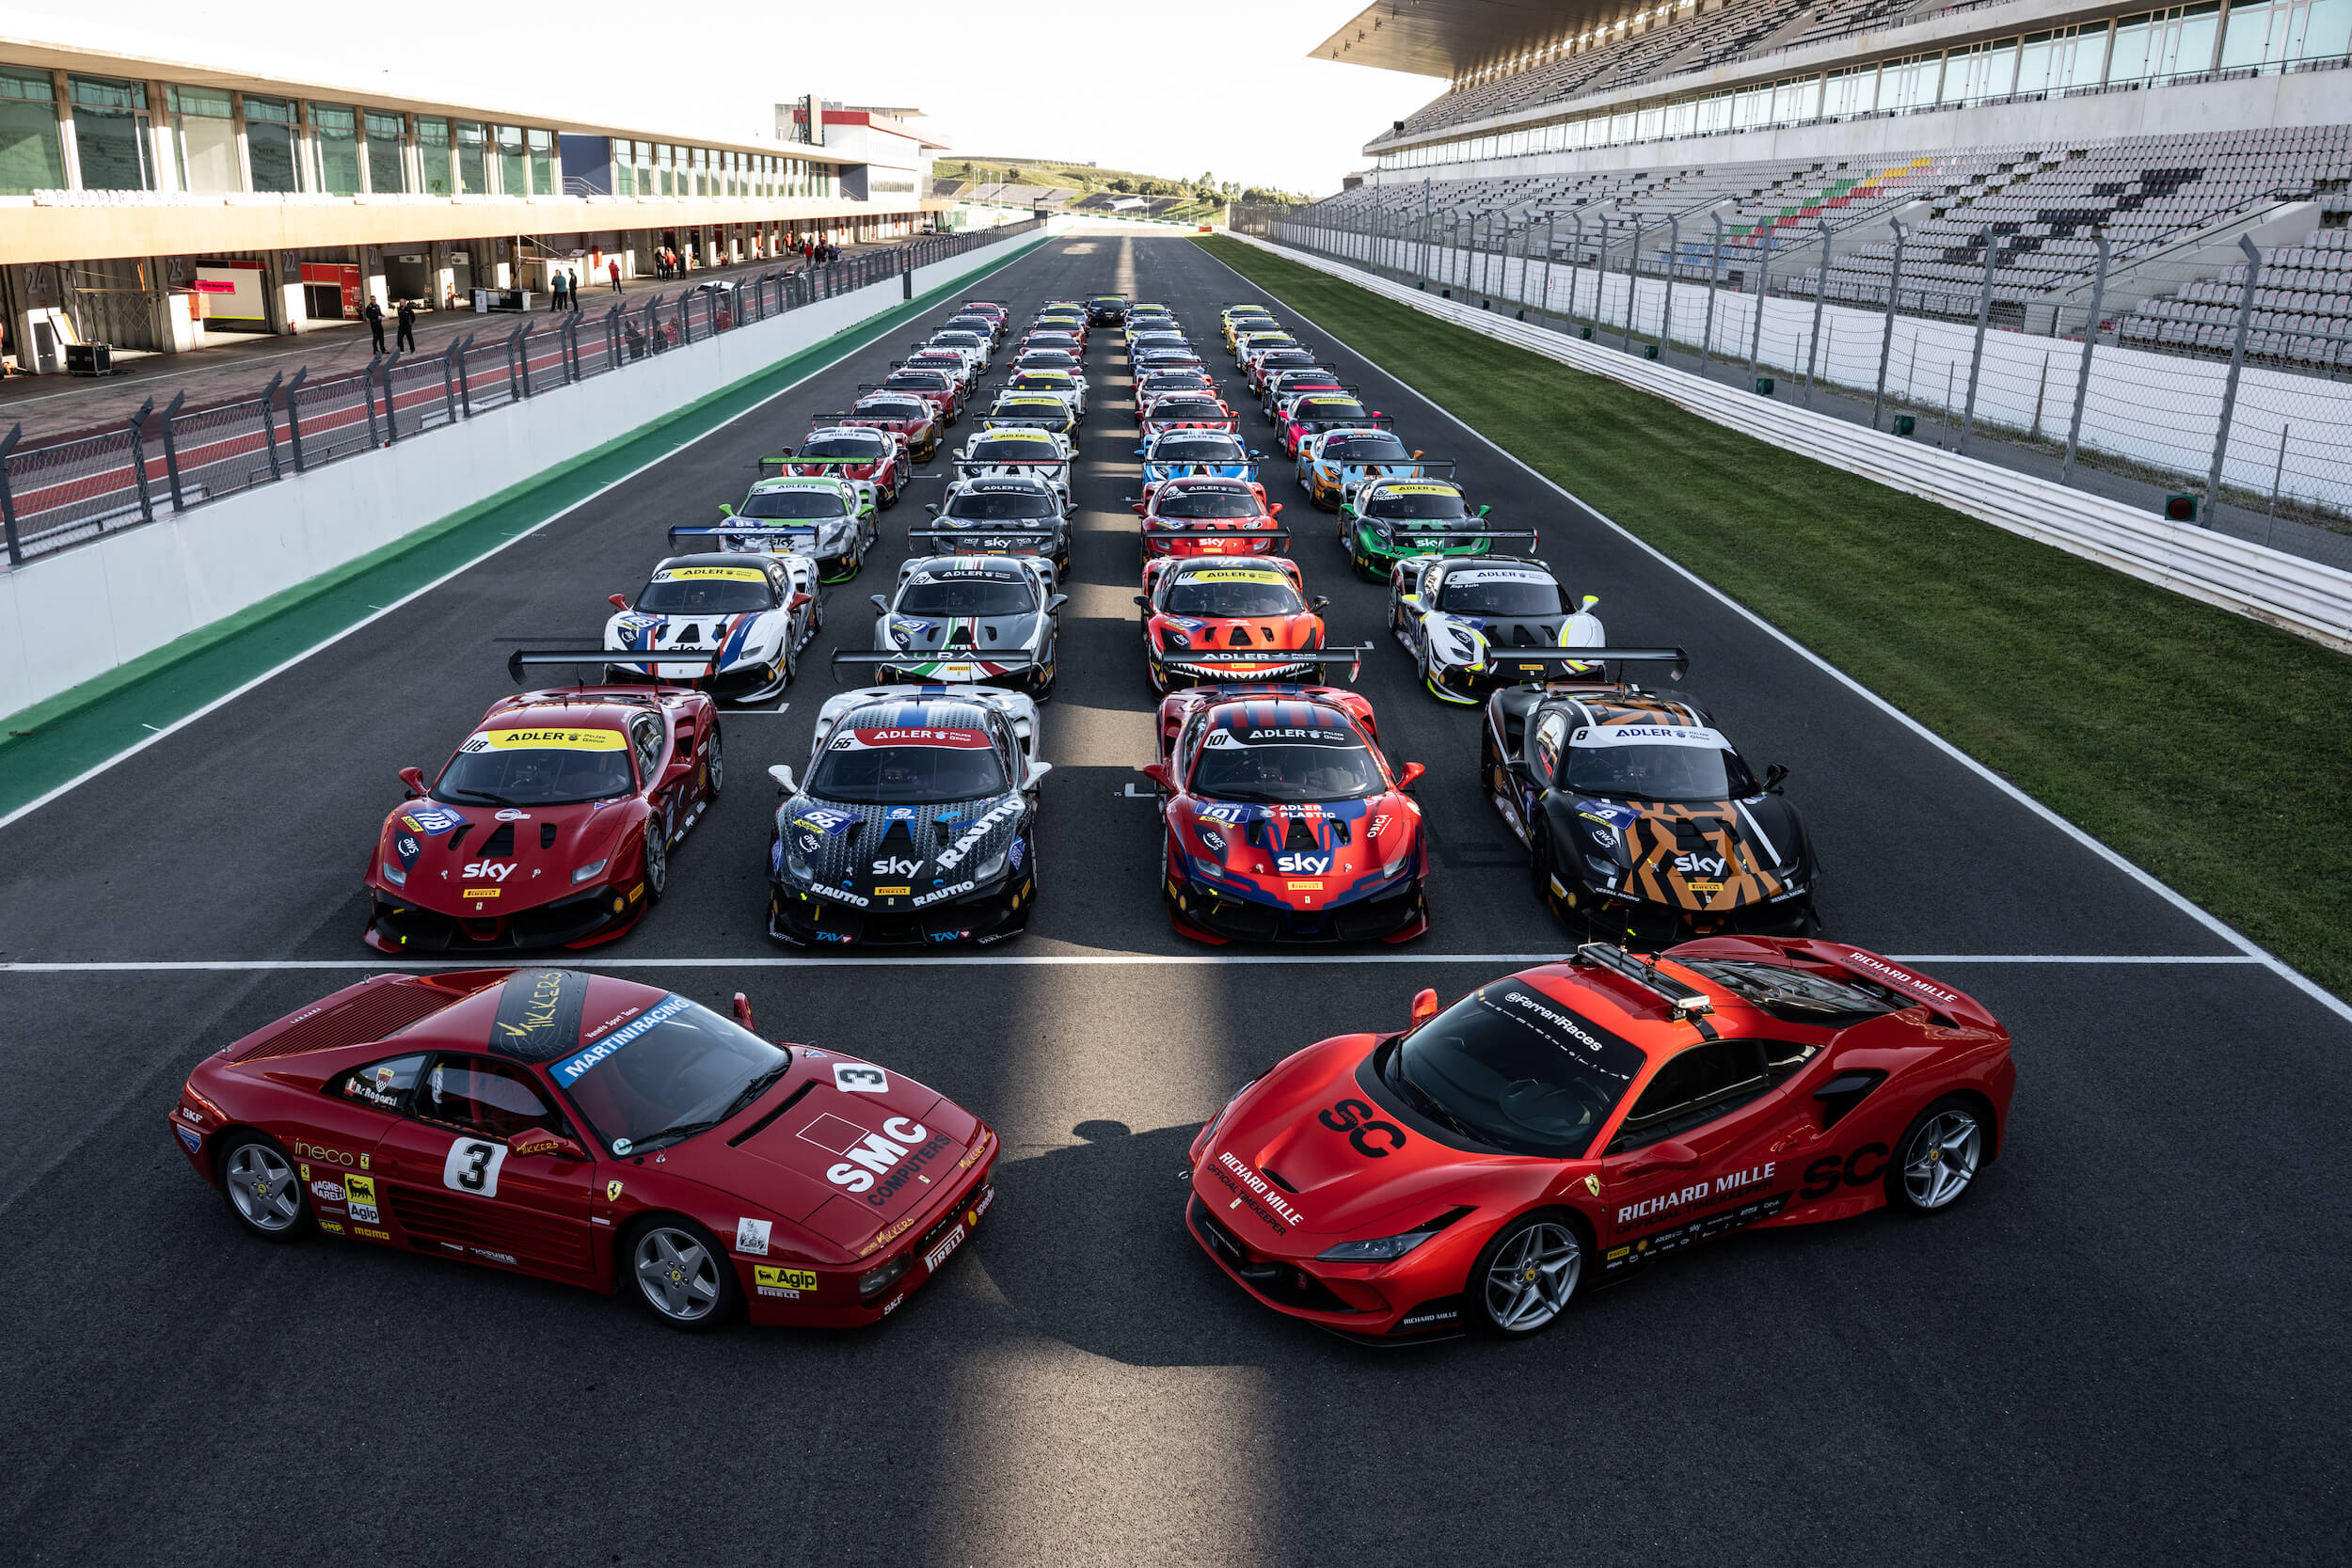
{"x":657,"y":859}
{"x":1526,"y":1278}
{"x":1939,"y":1158}
{"x":714,"y":765}
{"x":263,"y":1188}
{"x":887,"y":497}
{"x":682,"y":1276}
{"x":1539,"y":867}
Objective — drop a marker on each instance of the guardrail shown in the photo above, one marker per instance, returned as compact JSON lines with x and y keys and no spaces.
{"x":2297,"y":595}
{"x":77,"y":487}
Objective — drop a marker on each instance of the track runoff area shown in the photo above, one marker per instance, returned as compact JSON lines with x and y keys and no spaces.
{"x":2122,"y":1335}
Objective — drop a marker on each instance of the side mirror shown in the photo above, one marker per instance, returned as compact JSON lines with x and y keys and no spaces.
{"x":413,"y":779}
{"x":725,"y":511}
{"x":1138,"y":452}
{"x":1417,"y":452}
{"x":1586,"y":604}
{"x":1317,"y":606}
{"x":1673,"y":1154}
{"x":620,"y":601}
{"x":1143,"y":600}
{"x":1136,"y":507}
{"x":1036,"y":774}
{"x":931,"y":507}
{"x":1274,"y":510}
{"x":1774,"y":777}
{"x":1484,"y":510}
{"x":787,"y":452}
{"x":1053,"y":606}
{"x":1409,"y":775}
{"x":879,"y":603}
{"x":1157,"y":773}
{"x":538,"y":1140}
{"x":782,"y":775}
{"x":1425,"y":1006}
{"x":800,"y":599}
{"x":743,"y":1012}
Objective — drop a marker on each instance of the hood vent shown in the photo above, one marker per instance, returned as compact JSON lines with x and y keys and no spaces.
{"x":547,"y":835}
{"x":900,"y":832}
{"x":459,"y":836}
{"x":501,"y":843}
{"x":1299,"y":835}
{"x":1237,"y":638}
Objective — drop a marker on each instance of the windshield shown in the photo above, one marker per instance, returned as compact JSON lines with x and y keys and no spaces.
{"x":672,"y":1071}
{"x":1208,"y":503}
{"x":537,"y":768}
{"x":1036,"y":382}
{"x":894,"y":409}
{"x":1198,"y":449}
{"x":706,"y":591}
{"x":1696,"y":766}
{"x":1306,"y":765}
{"x":1287,"y":358}
{"x":928,"y":381}
{"x":957,"y":340}
{"x":793,"y":503}
{"x":913,"y":768}
{"x":989,"y":505}
{"x":1014,"y":450}
{"x":1048,"y":359}
{"x":1345,"y":410}
{"x":956,"y":594}
{"x":1428,"y":503}
{"x":1366,"y":449}
{"x":1511,"y":1068}
{"x":1169,"y":409}
{"x":1477,"y":592}
{"x":1156,"y":382}
{"x":1234,"y":592}
{"x":866,"y":448}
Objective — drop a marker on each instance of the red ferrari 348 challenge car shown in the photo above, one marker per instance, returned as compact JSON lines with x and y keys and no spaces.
{"x":1565,"y":1126}
{"x":551,"y":824}
{"x":1282,"y":821}
{"x":595,"y":1131}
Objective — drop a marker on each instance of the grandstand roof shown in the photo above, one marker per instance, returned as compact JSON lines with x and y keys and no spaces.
{"x":1446,"y":38}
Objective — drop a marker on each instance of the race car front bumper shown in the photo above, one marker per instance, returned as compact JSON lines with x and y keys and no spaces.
{"x":1395,"y":914}
{"x":583,"y":919}
{"x":1639,"y":922}
{"x":804,"y":919}
{"x":1342,"y":1300}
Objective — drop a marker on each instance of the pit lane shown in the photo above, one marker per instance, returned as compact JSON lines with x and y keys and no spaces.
{"x":2121,"y":1345}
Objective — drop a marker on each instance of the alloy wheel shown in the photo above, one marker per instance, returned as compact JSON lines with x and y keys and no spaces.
{"x":1942,"y":1159}
{"x":1532,"y":1278}
{"x":677,"y":1275}
{"x":261,"y":1184}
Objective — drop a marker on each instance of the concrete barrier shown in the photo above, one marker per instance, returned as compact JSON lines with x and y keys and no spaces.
{"x":2302,"y":596}
{"x":71,"y":616}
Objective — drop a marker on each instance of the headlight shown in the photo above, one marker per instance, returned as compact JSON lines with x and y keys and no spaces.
{"x":873,"y":1282}
{"x":1171,"y":638}
{"x":1380,"y":1251}
{"x":1392,"y":867}
{"x":794,"y":861}
{"x":394,"y":875}
{"x":992,"y":867}
{"x":1600,"y":866}
{"x":593,"y":869}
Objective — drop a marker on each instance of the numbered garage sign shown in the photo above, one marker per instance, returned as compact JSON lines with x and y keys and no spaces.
{"x":472,"y":1167}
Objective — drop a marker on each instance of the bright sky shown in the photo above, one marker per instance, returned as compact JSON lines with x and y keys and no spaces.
{"x":1216,"y":85}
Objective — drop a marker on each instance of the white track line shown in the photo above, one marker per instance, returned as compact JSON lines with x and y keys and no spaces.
{"x":276,"y":671}
{"x":1039,"y":961}
{"x":2219,"y":928}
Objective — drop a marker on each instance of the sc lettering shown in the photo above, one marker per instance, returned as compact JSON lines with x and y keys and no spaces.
{"x":1825,"y":1175}
{"x":1363,"y":1124}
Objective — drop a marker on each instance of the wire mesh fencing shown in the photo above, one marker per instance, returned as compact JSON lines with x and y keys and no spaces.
{"x":58,"y":493}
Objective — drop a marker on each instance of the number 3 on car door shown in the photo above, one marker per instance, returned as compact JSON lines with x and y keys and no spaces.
{"x":472,"y":1167}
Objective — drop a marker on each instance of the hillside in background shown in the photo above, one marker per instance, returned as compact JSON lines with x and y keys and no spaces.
{"x":1206,"y":191}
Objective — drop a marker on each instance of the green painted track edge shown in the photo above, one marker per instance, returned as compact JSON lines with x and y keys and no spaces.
{"x":63,"y":737}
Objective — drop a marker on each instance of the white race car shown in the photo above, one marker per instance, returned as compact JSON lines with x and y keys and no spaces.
{"x":1004,"y":451}
{"x":972,"y":619}
{"x":1474,"y":622}
{"x":757,"y":612}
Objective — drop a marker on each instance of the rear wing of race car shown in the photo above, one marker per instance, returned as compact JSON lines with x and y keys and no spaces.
{"x":1023,"y":421}
{"x":851,"y":419}
{"x":1677,"y":661}
{"x":966,"y":467}
{"x":1351,"y":657}
{"x":1439,"y":538}
{"x":604,"y":659}
{"x":782,"y":466}
{"x":989,"y":541}
{"x":782,"y":530}
{"x":906,"y":659}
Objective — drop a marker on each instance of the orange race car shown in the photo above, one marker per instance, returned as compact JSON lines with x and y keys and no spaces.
{"x":1221,"y":607}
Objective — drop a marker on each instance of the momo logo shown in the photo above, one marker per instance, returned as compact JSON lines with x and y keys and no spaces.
{"x":894,"y":867}
{"x":1706,"y":866}
{"x":892,"y":1153}
{"x":1303,"y":865}
{"x":496,"y":871}
{"x":1371,"y":1137}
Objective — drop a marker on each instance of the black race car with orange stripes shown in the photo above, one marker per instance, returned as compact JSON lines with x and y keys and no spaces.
{"x":1644,"y":823}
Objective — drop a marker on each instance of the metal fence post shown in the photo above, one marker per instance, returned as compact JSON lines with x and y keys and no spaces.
{"x":521,"y":351}
{"x":1551,"y":235}
{"x":2237,"y":364}
{"x":293,"y":416}
{"x":1674,"y":260}
{"x":1763,"y":289}
{"x":1820,"y":302}
{"x":172,"y":450}
{"x":7,"y":497}
{"x":269,"y":423}
{"x":1714,"y":287}
{"x":449,"y":380}
{"x":2091,"y":339}
{"x":1887,"y":337}
{"x":1633,"y":281}
{"x":392,"y":418}
{"x":1576,"y":263}
{"x":1976,"y":355}
{"x":366,"y":394}
{"x":139,"y":459}
{"x":1425,"y":227}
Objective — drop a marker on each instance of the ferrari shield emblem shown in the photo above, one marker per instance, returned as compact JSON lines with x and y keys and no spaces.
{"x":612,"y":1191}
{"x":1592,"y":1186}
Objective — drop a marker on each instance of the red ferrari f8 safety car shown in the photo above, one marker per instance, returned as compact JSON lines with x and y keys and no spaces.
{"x":1282,"y":821}
{"x":551,"y":824}
{"x":1562,"y":1127}
{"x":595,"y":1131}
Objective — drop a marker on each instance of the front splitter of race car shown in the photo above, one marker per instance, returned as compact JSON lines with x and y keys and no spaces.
{"x":579,"y":920}
{"x":1398,"y":912}
{"x":807,"y":916}
{"x":1640,"y":922}
{"x":1344,"y":1300}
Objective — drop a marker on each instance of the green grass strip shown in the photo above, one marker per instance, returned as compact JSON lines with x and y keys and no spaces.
{"x":61,"y":737}
{"x":2212,"y":750}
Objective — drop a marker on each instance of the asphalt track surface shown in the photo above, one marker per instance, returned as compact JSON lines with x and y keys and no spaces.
{"x":2126,"y":1345}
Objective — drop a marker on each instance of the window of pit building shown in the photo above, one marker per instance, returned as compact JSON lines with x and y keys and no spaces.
{"x":269,"y":144}
{"x":433,"y":156}
{"x":662,"y":157}
{"x":203,"y":139}
{"x":514,"y":176}
{"x":543,"y":163}
{"x":2274,"y":32}
{"x":335,"y":143}
{"x":388,"y":171}
{"x":32,"y":149}
{"x":473,"y":176}
{"x":110,"y":134}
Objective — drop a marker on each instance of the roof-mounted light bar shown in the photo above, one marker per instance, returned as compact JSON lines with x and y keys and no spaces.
{"x":1685,"y":1002}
